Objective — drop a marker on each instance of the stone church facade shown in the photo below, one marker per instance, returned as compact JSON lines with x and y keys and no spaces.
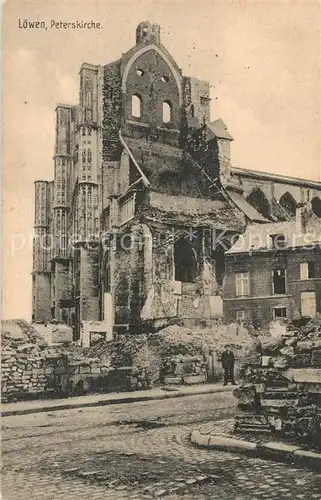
{"x":132,"y":230}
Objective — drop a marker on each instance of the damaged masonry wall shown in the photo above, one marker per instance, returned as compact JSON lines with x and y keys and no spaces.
{"x":30,"y":368}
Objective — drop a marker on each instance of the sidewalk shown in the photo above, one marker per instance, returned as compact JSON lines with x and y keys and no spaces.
{"x":25,"y":407}
{"x":220,"y":436}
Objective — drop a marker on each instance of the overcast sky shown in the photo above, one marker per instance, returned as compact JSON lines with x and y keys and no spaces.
{"x":265,"y":86}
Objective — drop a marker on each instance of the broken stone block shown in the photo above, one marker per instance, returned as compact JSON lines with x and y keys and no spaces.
{"x":253,"y":359}
{"x":287,"y":351}
{"x":316,"y":358}
{"x":266,"y":360}
{"x":173,"y":380}
{"x":302,"y":359}
{"x":272,"y":346}
{"x":304,"y":346}
{"x":281,"y":362}
{"x":84,"y":369}
{"x":194,"y":379}
{"x":292,"y":341}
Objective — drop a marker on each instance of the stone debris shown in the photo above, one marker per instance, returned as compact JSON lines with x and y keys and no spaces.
{"x":281,"y":389}
{"x":160,"y":493}
{"x":111,"y":484}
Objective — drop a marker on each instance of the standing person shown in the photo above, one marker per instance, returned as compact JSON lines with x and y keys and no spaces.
{"x":228,"y":360}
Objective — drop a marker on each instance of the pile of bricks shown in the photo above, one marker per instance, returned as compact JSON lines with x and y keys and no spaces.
{"x":281,"y":389}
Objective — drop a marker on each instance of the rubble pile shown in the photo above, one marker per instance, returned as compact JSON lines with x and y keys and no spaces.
{"x":175,"y":354}
{"x":32,"y":368}
{"x":184,"y":370}
{"x":174,"y":339}
{"x":281,"y":385}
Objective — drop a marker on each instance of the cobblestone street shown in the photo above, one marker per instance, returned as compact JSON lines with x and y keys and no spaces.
{"x":137,"y":451}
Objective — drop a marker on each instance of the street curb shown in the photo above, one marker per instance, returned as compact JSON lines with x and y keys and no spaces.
{"x":272,"y":450}
{"x":106,"y":402}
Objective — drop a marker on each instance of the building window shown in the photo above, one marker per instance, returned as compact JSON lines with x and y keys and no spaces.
{"x":167,"y":112}
{"x":89,"y":99}
{"x":185,"y":261}
{"x":136,"y":106}
{"x":308,"y":304}
{"x":127,"y":208}
{"x":279,"y":281}
{"x":288,"y":203}
{"x":242,"y":315}
{"x":316,"y":206}
{"x":259,"y":201}
{"x":279,"y":312}
{"x":242,"y":281}
{"x":307,"y":270}
{"x":278,"y":241}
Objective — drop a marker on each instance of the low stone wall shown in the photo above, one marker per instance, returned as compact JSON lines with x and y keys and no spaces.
{"x":32,"y":372}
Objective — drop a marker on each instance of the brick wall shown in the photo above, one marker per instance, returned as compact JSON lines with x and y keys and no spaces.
{"x":259,"y":306}
{"x":296,"y":285}
{"x":155,"y":85}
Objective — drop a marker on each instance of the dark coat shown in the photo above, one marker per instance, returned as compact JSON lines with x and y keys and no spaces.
{"x":227,"y":359}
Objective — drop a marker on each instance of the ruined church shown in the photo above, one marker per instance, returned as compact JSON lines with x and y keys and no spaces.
{"x":131,"y":233}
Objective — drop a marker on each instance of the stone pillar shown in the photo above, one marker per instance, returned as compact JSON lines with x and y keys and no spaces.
{"x":62,"y":286}
{"x":41,"y":297}
{"x":109,"y":315}
{"x":89,"y":292}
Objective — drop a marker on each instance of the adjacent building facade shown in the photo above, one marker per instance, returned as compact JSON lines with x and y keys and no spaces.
{"x":274,"y":271}
{"x":144,"y":201}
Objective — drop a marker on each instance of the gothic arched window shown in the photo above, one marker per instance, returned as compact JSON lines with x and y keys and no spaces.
{"x":288,"y":203}
{"x":316,"y":206}
{"x":259,"y":201}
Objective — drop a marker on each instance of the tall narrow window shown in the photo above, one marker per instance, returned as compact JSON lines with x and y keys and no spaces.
{"x":136,"y":106}
{"x":167,"y":112}
{"x":184,"y":261}
{"x":306,"y":270}
{"x":308,"y":304}
{"x":242,"y":282}
{"x":279,"y":281}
